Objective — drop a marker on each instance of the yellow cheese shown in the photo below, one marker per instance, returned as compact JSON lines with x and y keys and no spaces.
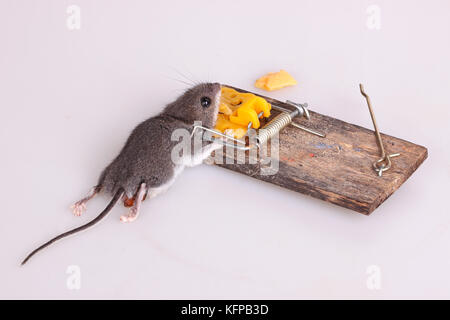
{"x":225,"y":109}
{"x":237,"y":110}
{"x":244,"y":115}
{"x":224,"y":125}
{"x":275,"y":80}
{"x":234,"y":100}
{"x":236,"y":133}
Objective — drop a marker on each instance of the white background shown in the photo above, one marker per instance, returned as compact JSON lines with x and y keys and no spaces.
{"x":69,"y":99}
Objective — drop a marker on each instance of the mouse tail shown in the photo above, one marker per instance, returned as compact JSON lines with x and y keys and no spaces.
{"x":103,"y":214}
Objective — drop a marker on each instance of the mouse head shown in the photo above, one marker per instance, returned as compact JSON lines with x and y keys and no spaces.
{"x":199,"y":103}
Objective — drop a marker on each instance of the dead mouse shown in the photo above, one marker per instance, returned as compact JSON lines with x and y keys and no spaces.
{"x":144,"y":167}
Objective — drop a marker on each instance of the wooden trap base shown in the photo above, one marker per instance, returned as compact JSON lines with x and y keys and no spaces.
{"x":338,"y":168}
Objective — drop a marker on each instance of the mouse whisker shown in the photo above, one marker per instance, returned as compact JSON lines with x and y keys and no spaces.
{"x":181,"y":81}
{"x":193,"y":78}
{"x":192,"y":82}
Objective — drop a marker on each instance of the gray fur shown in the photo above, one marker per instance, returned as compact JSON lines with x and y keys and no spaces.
{"x":146,"y":156}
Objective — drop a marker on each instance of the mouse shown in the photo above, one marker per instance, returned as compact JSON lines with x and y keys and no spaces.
{"x":144,"y":167}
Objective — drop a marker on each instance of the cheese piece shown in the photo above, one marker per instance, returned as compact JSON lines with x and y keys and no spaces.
{"x":237,"y":110}
{"x":234,"y":100}
{"x":275,"y":80}
{"x":236,"y":133}
{"x":225,"y":109}
{"x":224,"y":125}
{"x":244,"y":115}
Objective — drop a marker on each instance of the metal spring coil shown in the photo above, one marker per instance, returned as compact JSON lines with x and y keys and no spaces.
{"x":273,"y":127}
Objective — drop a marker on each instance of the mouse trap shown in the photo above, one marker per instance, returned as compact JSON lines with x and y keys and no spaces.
{"x":323,"y":157}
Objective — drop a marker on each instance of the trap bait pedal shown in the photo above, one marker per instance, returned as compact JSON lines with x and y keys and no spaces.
{"x":337,"y":166}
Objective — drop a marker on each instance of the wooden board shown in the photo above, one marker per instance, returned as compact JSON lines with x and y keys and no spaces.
{"x":338,"y":168}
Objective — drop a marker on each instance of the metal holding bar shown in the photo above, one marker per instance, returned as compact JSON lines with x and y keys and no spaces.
{"x":322,"y":135}
{"x":301,"y":110}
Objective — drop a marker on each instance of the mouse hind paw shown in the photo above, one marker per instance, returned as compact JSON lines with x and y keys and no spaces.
{"x":134,"y":210}
{"x":130,"y":216}
{"x":80,"y":206}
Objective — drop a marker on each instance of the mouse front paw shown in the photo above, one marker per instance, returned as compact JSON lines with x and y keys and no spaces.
{"x":209,"y":161}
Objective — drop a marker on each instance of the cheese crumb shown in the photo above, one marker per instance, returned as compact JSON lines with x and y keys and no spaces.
{"x":275,"y":80}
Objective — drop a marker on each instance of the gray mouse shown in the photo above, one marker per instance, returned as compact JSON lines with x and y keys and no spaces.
{"x":144,"y":167}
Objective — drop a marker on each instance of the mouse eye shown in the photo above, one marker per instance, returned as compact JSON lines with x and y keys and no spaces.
{"x":205,"y":102}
